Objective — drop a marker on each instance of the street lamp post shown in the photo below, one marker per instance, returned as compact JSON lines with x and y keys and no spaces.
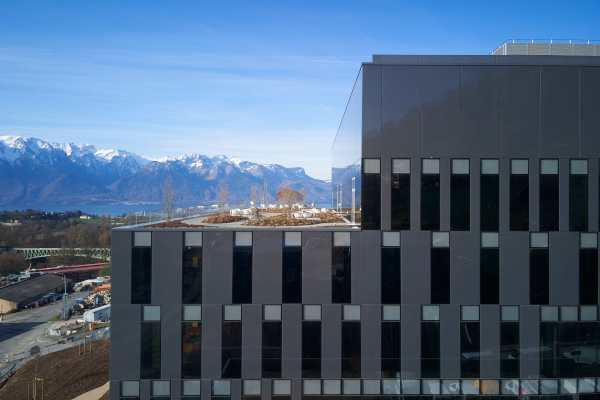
{"x":64,"y":313}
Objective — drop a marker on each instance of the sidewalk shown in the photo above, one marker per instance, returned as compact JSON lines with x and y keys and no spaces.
{"x":95,"y":394}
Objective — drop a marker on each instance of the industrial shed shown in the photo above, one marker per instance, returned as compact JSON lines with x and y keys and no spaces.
{"x":19,"y":294}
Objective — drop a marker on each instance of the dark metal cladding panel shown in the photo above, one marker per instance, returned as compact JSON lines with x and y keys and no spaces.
{"x":331,"y":361}
{"x":564,"y":171}
{"x":121,"y":242}
{"x":366,"y":267}
{"x":266,"y":386}
{"x":464,"y":267}
{"x":415,"y":194}
{"x":316,"y":267}
{"x":217,"y":267}
{"x":514,"y":268}
{"x":251,"y":341}
{"x":370,"y":326}
{"x":371,"y":112}
{"x":489,"y":316}
{"x":125,"y":344}
{"x":410,"y":344}
{"x":236,"y":389}
{"x":167,"y":254}
{"x":266,"y":267}
{"x":401,"y":111}
{"x":559,"y":119}
{"x":450,"y":341}
{"x":415,"y":280}
{"x":170,"y":335}
{"x":480,"y":111}
{"x":589,"y":145}
{"x":519,"y":111}
{"x":440,"y":111}
{"x":291,"y":351}
{"x":529,"y":333}
{"x":212,"y":316}
{"x":564,"y":268}
{"x":115,"y":390}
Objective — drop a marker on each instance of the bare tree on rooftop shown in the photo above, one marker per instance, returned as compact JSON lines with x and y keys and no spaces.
{"x":288,"y":196}
{"x":253,"y":197}
{"x":168,"y":197}
{"x":303,"y":196}
{"x":265,"y":193}
{"x":223,"y":198}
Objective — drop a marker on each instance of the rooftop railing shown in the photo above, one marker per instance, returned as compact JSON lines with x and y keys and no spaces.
{"x":546,"y":41}
{"x":141,"y":218}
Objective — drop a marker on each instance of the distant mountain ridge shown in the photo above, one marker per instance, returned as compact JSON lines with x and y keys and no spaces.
{"x":33,"y":171}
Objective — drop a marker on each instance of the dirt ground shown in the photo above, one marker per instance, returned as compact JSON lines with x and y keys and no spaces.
{"x":66,"y":374}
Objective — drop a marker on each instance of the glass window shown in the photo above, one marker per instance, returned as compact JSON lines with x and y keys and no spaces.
{"x":450,"y":386}
{"x":221,"y":388}
{"x":390,"y":239}
{"x":431,"y":166}
{"x":142,"y":239}
{"x":243,"y":239}
{"x":539,"y":239}
{"x":341,"y":239}
{"x":519,"y":195}
{"x":568,"y":313}
{"x":587,"y":385}
{"x":192,"y":273}
{"x":578,"y":196}
{"x":440,"y":239}
{"x":470,"y":386}
{"x":390,"y":348}
{"x":192,"y":313}
{"x":130,"y":388}
{"x":231,"y":350}
{"x":489,"y":239}
{"x":509,"y":387}
{"x":141,"y":275}
{"x":151,"y":313}
{"x":530,"y":386}
{"x":232,"y":313}
{"x":430,"y":386}
{"x":161,"y":388}
{"x":311,"y":349}
{"x":390,"y":313}
{"x":272,"y":313}
{"x":440,"y":275}
{"x":292,"y":238}
{"x":191,"y":350}
{"x":351,"y":386}
{"x":291,"y":282}
{"x":489,"y":278}
{"x":391,"y":386}
{"x":252,"y":387}
{"x":579,"y":167}
{"x":351,"y":349}
{"x":470,"y":313}
{"x":549,"y":167}
{"x":490,"y":167}
{"x":190,"y":388}
{"x":351,"y":313}
{"x":509,"y":349}
{"x":519,"y":167}
{"x":588,"y":313}
{"x":431,"y":313}
{"x":150,"y":352}
{"x":242,"y":274}
{"x":469,"y":349}
{"x":332,"y":386}
{"x":430,"y":350}
{"x":282,"y":387}
{"x":371,"y":386}
{"x":341,"y":285}
{"x":312,"y":313}
{"x":589,"y":240}
{"x":410,"y":386}
{"x":390,"y":275}
{"x":401,"y":166}
{"x":550,"y":313}
{"x":539,"y":274}
{"x":510,"y":313}
{"x":460,"y":166}
{"x":271,"y":348}
{"x":193,"y":239}
{"x":371,"y":166}
{"x":548,"y":386}
{"x":312,"y":386}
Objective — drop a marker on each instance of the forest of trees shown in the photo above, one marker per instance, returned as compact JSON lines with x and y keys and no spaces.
{"x":35,"y":229}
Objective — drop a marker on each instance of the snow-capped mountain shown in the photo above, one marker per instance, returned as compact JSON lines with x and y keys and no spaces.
{"x":35,"y":171}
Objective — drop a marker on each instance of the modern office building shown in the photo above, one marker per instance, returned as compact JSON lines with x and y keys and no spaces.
{"x":470,"y":266}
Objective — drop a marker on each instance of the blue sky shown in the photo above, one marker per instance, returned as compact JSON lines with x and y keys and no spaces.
{"x":264,"y":81}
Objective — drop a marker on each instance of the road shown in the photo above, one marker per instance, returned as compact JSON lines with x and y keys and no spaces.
{"x":21,"y":331}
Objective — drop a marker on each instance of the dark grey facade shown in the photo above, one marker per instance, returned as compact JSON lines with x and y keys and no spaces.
{"x":474,"y":269}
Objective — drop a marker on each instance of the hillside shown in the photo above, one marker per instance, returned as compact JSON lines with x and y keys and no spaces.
{"x":66,"y":374}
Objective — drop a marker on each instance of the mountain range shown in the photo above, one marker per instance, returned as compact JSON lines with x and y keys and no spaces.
{"x":33,"y":171}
